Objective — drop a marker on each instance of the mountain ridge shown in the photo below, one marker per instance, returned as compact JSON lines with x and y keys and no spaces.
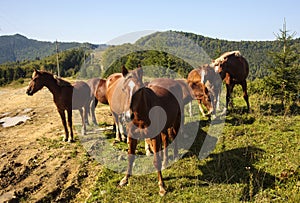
{"x":18,"y":47}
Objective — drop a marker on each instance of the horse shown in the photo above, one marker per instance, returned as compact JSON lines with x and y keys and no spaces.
{"x":234,"y":69}
{"x":100,"y":92}
{"x":180,"y":90}
{"x":66,"y":96}
{"x":213,"y":83}
{"x":120,"y":88}
{"x":154,"y":110}
{"x":200,"y":91}
{"x":93,"y":84}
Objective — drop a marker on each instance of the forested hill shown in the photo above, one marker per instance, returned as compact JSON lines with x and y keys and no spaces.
{"x":256,"y":52}
{"x":19,"y":48}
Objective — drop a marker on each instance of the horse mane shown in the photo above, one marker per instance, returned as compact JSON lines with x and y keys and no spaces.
{"x":226,"y":55}
{"x":62,"y":83}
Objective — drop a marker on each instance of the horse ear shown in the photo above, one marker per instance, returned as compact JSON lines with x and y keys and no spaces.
{"x":140,"y":71}
{"x":35,"y":72}
{"x":124,"y":71}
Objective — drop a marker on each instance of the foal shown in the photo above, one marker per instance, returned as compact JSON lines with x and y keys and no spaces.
{"x":66,"y":96}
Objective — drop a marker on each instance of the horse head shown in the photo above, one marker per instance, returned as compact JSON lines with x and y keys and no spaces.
{"x":36,"y":83}
{"x":133,"y":81}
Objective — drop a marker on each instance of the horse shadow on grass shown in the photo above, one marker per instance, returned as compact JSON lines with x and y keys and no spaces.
{"x":231,"y":166}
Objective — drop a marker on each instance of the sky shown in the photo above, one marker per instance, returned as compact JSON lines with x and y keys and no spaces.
{"x":102,"y":21}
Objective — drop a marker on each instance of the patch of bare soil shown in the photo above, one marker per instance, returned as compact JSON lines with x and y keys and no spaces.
{"x":36,"y":165}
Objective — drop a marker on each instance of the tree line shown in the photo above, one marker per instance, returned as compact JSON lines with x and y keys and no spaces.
{"x":69,"y":61}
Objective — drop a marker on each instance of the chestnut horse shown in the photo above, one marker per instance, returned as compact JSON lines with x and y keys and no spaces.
{"x":213,"y":83}
{"x":93,"y":83}
{"x":153,"y":111}
{"x":200,"y":91}
{"x":120,"y":88}
{"x":98,"y":94}
{"x":66,"y":97}
{"x":234,"y":69}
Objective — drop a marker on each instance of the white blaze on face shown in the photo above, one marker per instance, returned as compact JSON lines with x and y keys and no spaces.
{"x":216,"y":69}
{"x":131,"y":86}
{"x":202,"y":76}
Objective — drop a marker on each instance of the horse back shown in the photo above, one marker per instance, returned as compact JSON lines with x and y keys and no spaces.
{"x":81,"y":94}
{"x":238,"y":68}
{"x":100,"y":92}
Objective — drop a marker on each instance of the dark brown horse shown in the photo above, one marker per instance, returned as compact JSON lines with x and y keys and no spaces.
{"x":234,"y":69}
{"x":200,"y":91}
{"x":154,"y":110}
{"x":178,"y":90}
{"x":65,"y":95}
{"x":120,"y":88}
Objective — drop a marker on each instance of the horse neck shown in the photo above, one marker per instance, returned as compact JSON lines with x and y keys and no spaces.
{"x":53,"y":87}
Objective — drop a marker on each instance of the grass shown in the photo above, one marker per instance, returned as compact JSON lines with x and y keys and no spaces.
{"x":256,"y":159}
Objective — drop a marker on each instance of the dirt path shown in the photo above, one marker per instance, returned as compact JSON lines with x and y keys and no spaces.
{"x":36,"y":165}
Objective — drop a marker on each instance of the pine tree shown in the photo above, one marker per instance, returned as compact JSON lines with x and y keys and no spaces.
{"x":283,"y":82}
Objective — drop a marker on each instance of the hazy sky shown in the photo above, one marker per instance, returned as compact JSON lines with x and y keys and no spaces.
{"x":101,"y":21}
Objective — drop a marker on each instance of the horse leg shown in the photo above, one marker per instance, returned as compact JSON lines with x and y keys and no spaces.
{"x":147,"y":147}
{"x":132,"y":143}
{"x":164,"y":140}
{"x":201,"y":108}
{"x":63,"y":120}
{"x":116,"y":124}
{"x":156,"y":143}
{"x":92,"y":107}
{"x":229,"y":89}
{"x":83,"y":128}
{"x":244,"y":86}
{"x":190,"y":109}
{"x":70,"y":125}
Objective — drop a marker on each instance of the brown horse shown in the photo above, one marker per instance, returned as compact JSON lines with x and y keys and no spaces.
{"x":65,"y":95}
{"x":213,"y":83}
{"x":179,"y":90}
{"x":200,"y":91}
{"x":120,"y":88}
{"x":98,"y":94}
{"x":93,"y":83}
{"x":234,"y":69}
{"x":154,"y":110}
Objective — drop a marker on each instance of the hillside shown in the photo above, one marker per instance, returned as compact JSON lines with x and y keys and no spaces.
{"x":16,"y":47}
{"x":188,"y":46}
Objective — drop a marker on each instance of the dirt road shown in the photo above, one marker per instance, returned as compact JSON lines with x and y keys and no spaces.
{"x":36,"y":165}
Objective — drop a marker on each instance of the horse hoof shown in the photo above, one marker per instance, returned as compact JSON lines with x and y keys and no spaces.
{"x":162,"y":192}
{"x":65,"y":139}
{"x":148,"y":153}
{"x":71,"y":141}
{"x":123,"y":182}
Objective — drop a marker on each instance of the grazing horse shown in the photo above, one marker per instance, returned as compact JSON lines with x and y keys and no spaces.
{"x":153,"y":111}
{"x":65,"y":95}
{"x":200,"y":91}
{"x":120,"y":88}
{"x":213,"y":83}
{"x":234,"y":69}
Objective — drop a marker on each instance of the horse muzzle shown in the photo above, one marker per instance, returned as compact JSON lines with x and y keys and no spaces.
{"x":29,"y":92}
